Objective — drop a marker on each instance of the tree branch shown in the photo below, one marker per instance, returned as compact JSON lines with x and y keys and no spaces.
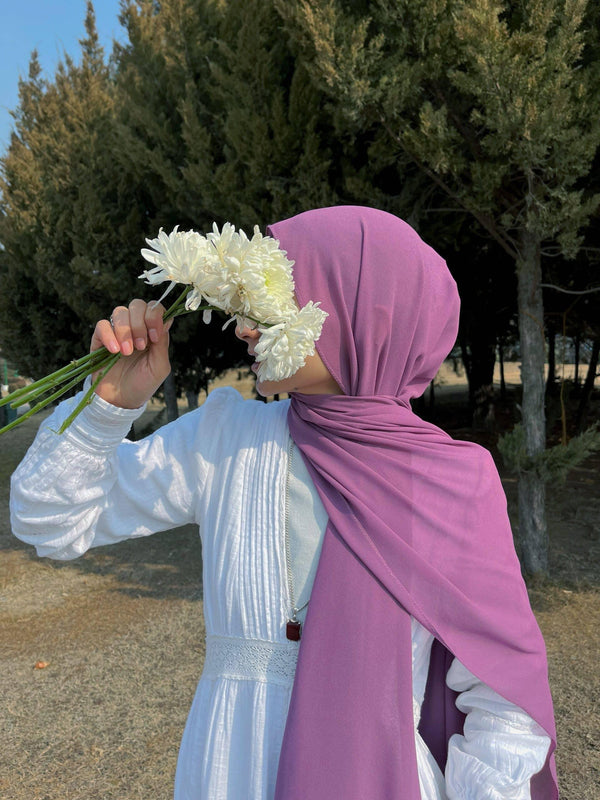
{"x":569,"y":291}
{"x":507,"y":244}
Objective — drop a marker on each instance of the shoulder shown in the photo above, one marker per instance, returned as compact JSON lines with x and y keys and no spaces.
{"x":221,"y":402}
{"x":478,"y":465}
{"x":465,"y":453}
{"x":238,"y":421}
{"x":228,"y":402}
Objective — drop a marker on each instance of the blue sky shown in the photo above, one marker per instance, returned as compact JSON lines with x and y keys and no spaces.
{"x":53,"y":27}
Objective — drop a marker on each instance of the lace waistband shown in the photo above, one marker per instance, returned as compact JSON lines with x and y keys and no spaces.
{"x":250,"y":659}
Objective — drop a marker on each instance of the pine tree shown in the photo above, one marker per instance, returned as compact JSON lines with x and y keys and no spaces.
{"x":277,"y":143}
{"x":223,"y":123}
{"x":218,"y":123}
{"x":70,"y":225}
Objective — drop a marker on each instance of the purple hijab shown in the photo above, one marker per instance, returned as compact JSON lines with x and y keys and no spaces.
{"x":417,"y":525}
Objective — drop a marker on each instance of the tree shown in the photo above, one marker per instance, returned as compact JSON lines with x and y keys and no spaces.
{"x":222,"y":122}
{"x":69,"y":223}
{"x":218,"y":123}
{"x":497,"y":104}
{"x":75,"y":208}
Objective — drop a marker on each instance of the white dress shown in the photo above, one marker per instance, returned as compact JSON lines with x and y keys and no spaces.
{"x":225,"y":467}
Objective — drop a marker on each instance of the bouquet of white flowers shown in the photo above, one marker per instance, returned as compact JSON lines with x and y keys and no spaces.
{"x":248,"y":279}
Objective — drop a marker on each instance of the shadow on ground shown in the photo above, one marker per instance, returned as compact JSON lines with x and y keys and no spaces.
{"x":165,"y":565}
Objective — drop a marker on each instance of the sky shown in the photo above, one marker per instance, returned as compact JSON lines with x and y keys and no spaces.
{"x":53,"y":27}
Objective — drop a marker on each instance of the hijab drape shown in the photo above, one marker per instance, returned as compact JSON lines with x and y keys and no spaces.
{"x":417,"y":523}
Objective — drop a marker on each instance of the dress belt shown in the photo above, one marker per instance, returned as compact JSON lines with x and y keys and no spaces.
{"x":250,"y":659}
{"x":240,"y":659}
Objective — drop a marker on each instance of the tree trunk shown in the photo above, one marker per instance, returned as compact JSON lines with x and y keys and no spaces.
{"x":502,"y":377}
{"x":478,"y":350}
{"x":483,"y":361}
{"x":588,"y":387}
{"x":551,"y":379}
{"x":170,"y":391}
{"x":533,"y":533}
{"x":192,"y":399}
{"x":466,"y":359}
{"x":577,"y":344}
{"x":481,"y":392}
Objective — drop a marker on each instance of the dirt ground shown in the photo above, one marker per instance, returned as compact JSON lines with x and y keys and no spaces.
{"x":120,"y":633}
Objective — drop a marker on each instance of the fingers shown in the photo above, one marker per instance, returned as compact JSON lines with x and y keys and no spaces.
{"x":153,"y":319}
{"x":131,"y":328}
{"x":137,"y":338}
{"x":122,"y":329}
{"x":104,"y":336}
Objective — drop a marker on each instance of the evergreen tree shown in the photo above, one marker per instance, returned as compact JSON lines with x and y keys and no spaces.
{"x":222,"y":123}
{"x":218,"y":123}
{"x":69,"y":224}
{"x":497,"y":103}
{"x":277,"y":144}
{"x":76,"y":204}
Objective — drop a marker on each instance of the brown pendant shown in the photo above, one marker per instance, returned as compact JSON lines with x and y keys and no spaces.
{"x":293,"y":630}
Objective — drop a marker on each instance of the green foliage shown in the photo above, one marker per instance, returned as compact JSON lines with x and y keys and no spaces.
{"x":219,"y":119}
{"x":554,"y":463}
{"x":494,"y":100}
{"x":68,"y":223}
{"x":218,"y":123}
{"x":204,"y":115}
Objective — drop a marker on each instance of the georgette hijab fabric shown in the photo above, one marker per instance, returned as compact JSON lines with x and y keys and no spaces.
{"x":417,"y":524}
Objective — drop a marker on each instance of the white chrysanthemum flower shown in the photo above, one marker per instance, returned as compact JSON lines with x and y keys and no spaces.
{"x":224,"y":254}
{"x":194,"y":300}
{"x":241,"y":276}
{"x":283,"y":348}
{"x":255,"y":279}
{"x":247,"y":279}
{"x":267,"y":277}
{"x":177,"y":257}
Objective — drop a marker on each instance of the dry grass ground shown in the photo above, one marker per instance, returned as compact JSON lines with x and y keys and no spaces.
{"x":121,"y":632}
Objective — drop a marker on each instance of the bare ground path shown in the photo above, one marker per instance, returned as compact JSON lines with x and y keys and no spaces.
{"x":121,"y":632}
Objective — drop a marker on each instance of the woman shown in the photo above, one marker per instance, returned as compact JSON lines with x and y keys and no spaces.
{"x":417,"y":595}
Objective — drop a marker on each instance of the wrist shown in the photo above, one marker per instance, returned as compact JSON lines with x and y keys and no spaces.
{"x":107,"y":394}
{"x":111,"y":411}
{"x":101,"y":425}
{"x":116,"y":400}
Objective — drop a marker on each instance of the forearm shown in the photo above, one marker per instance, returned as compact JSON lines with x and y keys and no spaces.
{"x":59,"y":489}
{"x":88,"y":487}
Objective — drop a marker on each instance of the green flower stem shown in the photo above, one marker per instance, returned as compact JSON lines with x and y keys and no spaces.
{"x":88,"y":396}
{"x":63,"y":389}
{"x":173,"y":310}
{"x":32,"y":390}
{"x":45,"y":387}
{"x":70,"y":375}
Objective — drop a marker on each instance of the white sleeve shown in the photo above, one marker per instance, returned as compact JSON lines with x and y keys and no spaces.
{"x":88,"y":486}
{"x":501,"y":747}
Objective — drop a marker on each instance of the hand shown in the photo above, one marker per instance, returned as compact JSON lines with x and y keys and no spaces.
{"x":139,"y":334}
